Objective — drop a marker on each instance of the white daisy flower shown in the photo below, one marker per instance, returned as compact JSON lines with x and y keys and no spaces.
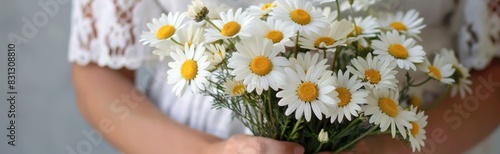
{"x":462,"y":83}
{"x":262,"y":10}
{"x":461,"y":76}
{"x":323,"y":1}
{"x":365,"y":28}
{"x":257,"y":63}
{"x":278,"y":32}
{"x":305,"y":91}
{"x":329,"y":38}
{"x":192,"y":34}
{"x":189,"y":68}
{"x":197,"y":10}
{"x":300,"y":15}
{"x":395,"y":47}
{"x":234,"y":88}
{"x":305,"y":60}
{"x":162,"y":29}
{"x":216,"y":54}
{"x":330,"y":15}
{"x":383,"y":106}
{"x":449,"y":56}
{"x":164,"y":48}
{"x":439,"y":69}
{"x":410,"y":23}
{"x":417,"y":131}
{"x":231,"y":25}
{"x":374,"y":73}
{"x":350,"y":95}
{"x":357,"y":5}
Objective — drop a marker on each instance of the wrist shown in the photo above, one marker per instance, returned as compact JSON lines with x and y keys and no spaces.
{"x":213,"y":147}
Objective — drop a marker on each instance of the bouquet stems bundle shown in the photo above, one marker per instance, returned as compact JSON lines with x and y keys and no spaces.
{"x":294,"y":71}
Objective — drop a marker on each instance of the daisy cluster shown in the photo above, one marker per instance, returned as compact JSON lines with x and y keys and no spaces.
{"x":315,"y":63}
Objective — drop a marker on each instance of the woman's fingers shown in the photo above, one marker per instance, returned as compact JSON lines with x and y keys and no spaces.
{"x":244,"y":144}
{"x":281,"y":147}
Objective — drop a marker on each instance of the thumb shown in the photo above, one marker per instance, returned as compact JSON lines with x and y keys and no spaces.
{"x":282,"y":147}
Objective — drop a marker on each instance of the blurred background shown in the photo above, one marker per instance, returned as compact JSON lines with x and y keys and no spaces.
{"x":47,"y":119}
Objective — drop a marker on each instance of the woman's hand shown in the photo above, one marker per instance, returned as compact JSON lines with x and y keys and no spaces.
{"x":244,"y":144}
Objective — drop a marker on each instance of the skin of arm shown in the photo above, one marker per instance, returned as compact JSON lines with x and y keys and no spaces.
{"x":456,"y":124}
{"x":135,"y":125}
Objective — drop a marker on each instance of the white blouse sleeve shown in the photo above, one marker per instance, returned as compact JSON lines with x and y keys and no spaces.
{"x":107,"y":32}
{"x":479,"y":36}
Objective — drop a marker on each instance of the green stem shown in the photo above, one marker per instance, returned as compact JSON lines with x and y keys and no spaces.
{"x":338,"y":10}
{"x":356,"y":140}
{"x":270,"y":108}
{"x":422,"y":83}
{"x":295,"y":128}
{"x":211,"y":23}
{"x":324,"y":53}
{"x":233,"y":45}
{"x":441,"y":98}
{"x":354,"y":21}
{"x":352,"y":123}
{"x":337,"y":53}
{"x":297,"y":44}
{"x":177,"y":42}
{"x":319,"y":148}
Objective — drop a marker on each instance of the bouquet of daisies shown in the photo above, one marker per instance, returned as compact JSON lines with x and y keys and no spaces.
{"x":313,"y":73}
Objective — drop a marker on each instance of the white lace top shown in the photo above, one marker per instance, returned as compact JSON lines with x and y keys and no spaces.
{"x":106,"y":32}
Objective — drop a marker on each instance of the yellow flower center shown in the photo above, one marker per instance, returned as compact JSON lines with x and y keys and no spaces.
{"x":275,"y":35}
{"x":373,"y":76}
{"x":189,"y":69}
{"x":165,"y":32}
{"x":300,"y":16}
{"x":239,"y":90}
{"x":266,"y":6}
{"x":261,"y":65}
{"x":230,"y":29}
{"x":398,"y":51}
{"x":414,"y":128}
{"x":435,"y":71}
{"x":415,"y":101}
{"x":388,"y":106}
{"x":307,"y":92}
{"x":356,"y":31}
{"x":344,"y":96}
{"x":398,"y":26}
{"x":327,"y":40}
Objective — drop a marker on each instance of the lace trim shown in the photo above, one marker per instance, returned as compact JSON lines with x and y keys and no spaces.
{"x":479,"y":37}
{"x":106,"y":32}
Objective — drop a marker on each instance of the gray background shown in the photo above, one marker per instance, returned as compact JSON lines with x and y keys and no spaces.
{"x":48,"y":121}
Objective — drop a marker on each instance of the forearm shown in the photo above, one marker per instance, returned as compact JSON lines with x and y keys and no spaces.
{"x":456,"y":124}
{"x":126,"y":119}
